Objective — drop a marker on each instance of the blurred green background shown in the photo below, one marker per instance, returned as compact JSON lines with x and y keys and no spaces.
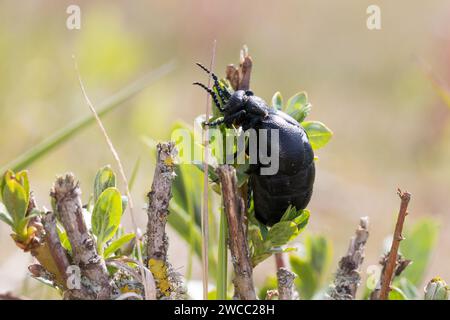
{"x":390,"y":128}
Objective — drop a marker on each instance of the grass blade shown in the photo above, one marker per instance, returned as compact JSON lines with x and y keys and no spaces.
{"x":64,"y":134}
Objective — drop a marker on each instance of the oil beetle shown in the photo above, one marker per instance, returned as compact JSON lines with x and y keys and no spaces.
{"x":293,"y":183}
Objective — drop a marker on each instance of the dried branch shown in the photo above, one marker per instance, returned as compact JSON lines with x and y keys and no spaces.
{"x":271,"y":295}
{"x":58,"y":253}
{"x":245,"y":69}
{"x":166,"y":279}
{"x":400,"y":266}
{"x":42,"y":248}
{"x":348,"y":275}
{"x":286,"y":289}
{"x":66,"y":194}
{"x":149,"y":295}
{"x":237,"y":240}
{"x":280,"y":260}
{"x":392,"y":262}
{"x":239,"y":77}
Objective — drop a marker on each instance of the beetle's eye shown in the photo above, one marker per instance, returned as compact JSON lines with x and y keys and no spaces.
{"x":249,"y":93}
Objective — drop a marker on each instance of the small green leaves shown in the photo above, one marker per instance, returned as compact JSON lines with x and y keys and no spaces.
{"x":266,"y":242}
{"x":277,"y":101}
{"x":104,"y":179}
{"x":63,"y":238}
{"x":306,"y":281}
{"x":318,"y":133}
{"x":300,"y":217}
{"x":106,"y":216}
{"x":117,"y":244}
{"x":396,"y":294}
{"x":4,"y":216}
{"x":282,"y":232}
{"x":15,"y":193}
{"x":422,"y":238}
{"x":298,"y":107}
{"x":312,"y":266}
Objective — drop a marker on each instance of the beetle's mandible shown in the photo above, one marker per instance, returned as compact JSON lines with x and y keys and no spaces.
{"x":293,"y":183}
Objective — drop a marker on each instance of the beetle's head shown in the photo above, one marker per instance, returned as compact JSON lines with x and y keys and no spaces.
{"x":246,"y":100}
{"x":237,"y":100}
{"x":228,"y":102}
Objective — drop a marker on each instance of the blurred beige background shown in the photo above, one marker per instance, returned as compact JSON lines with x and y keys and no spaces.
{"x":390,"y":128}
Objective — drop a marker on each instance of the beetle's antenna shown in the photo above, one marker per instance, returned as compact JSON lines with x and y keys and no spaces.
{"x":223,"y":94}
{"x":212,"y":93}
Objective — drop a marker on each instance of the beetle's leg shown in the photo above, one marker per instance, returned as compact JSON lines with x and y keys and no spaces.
{"x":212,"y":93}
{"x":223,"y":94}
{"x":229,"y":119}
{"x":215,"y":123}
{"x":253,"y":121}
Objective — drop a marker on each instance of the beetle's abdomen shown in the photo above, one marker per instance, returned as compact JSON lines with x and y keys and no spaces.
{"x":293,"y":183}
{"x":272,"y":195}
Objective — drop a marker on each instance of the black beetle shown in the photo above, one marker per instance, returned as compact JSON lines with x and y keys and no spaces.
{"x":293,"y":183}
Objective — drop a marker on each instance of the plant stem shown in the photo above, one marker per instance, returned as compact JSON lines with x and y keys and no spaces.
{"x":286,"y":289}
{"x":235,"y":212}
{"x":158,"y":210}
{"x":348,"y":275}
{"x":67,"y":196}
{"x":391,"y":263}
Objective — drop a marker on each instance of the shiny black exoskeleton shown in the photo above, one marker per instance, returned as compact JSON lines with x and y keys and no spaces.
{"x":293,"y":183}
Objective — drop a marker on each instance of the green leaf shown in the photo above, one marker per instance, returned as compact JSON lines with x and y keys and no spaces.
{"x":63,"y":238}
{"x":15,"y":199}
{"x":298,"y":106}
{"x":115,"y":245}
{"x":319,"y":134}
{"x":50,"y":143}
{"x":104,"y":179}
{"x":4,"y":216}
{"x":407,"y":287}
{"x":282,"y":232}
{"x":106,"y":216}
{"x":290,"y":214}
{"x":312,"y":267}
{"x":302,"y":219}
{"x":396,"y":294}
{"x":418,"y":246}
{"x":259,"y":248}
{"x":277,"y":101}
{"x":307,"y":281}
{"x":33,"y":213}
{"x":319,"y":252}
